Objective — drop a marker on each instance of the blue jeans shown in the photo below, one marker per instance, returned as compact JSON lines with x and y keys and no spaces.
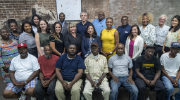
{"x":130,"y":87}
{"x":170,"y":88}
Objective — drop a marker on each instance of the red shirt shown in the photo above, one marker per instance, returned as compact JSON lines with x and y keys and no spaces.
{"x":47,"y":66}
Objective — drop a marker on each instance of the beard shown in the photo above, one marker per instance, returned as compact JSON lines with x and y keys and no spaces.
{"x":48,"y":56}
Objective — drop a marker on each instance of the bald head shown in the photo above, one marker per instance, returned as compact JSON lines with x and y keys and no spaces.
{"x":120,"y":49}
{"x":101,"y":16}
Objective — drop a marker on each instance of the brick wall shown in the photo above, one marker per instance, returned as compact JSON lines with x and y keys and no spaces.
{"x":23,"y":9}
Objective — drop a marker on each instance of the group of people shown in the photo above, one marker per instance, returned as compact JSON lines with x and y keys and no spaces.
{"x":39,"y":59}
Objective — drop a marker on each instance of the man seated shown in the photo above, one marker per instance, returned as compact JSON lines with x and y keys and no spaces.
{"x":23,"y":71}
{"x":120,"y":69}
{"x":69,"y":69}
{"x":47,"y":80}
{"x":171,"y":69}
{"x":148,"y":70}
{"x":96,"y":69}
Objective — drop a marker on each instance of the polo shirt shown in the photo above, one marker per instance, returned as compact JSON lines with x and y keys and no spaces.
{"x":81,"y":28}
{"x":69,"y":67}
{"x":123,"y":33}
{"x":99,"y":26}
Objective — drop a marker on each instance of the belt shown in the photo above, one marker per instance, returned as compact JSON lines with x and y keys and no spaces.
{"x":158,"y":45}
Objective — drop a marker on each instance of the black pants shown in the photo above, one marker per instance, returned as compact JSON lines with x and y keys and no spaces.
{"x":33,"y":51}
{"x":39,"y":90}
{"x":158,"y":88}
{"x":158,"y":51}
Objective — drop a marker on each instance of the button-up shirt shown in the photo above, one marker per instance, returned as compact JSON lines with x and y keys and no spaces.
{"x":99,"y":26}
{"x":161,"y":34}
{"x":62,"y":23}
{"x":81,"y":28}
{"x":26,"y":38}
{"x":96,"y":67}
{"x":148,"y":34}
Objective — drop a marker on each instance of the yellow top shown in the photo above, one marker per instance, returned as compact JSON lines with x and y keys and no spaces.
{"x":108,"y":41}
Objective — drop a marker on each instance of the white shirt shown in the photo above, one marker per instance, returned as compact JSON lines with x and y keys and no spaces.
{"x":120,"y":65}
{"x":171,"y":65}
{"x":161,"y":34}
{"x":34,"y":29}
{"x":24,"y":67}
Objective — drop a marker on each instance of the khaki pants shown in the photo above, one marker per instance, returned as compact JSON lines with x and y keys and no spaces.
{"x":75,"y":90}
{"x":88,"y":89}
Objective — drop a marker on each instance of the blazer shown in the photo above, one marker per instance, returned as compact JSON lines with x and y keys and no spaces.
{"x":85,"y":45}
{"x":64,"y":30}
{"x":138,"y":47}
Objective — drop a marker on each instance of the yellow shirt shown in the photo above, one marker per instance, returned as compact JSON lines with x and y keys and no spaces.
{"x":108,"y":41}
{"x":96,"y":67}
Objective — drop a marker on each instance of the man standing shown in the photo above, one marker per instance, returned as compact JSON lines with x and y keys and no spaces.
{"x":69,"y":69}
{"x":171,"y":69}
{"x":64,"y":29}
{"x":23,"y":71}
{"x":81,"y":26}
{"x":100,"y":23}
{"x":124,"y":30}
{"x":96,"y":70}
{"x":121,"y":73}
{"x":148,"y":70}
{"x":161,"y":32}
{"x":47,"y":80}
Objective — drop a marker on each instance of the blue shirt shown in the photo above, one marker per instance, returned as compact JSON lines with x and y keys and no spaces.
{"x":69,"y":67}
{"x":81,"y":28}
{"x":123,"y":33}
{"x":99,"y":26}
{"x":62,"y":23}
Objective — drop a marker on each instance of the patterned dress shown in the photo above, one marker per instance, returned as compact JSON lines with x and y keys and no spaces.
{"x":172,"y":37}
{"x":7,"y":53}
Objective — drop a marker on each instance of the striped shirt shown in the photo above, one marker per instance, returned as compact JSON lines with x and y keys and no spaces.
{"x":7,"y":53}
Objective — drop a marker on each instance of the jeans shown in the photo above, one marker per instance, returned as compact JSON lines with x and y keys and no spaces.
{"x":39,"y":90}
{"x":158,"y":51}
{"x":123,"y":81}
{"x":170,"y":88}
{"x":158,"y":88}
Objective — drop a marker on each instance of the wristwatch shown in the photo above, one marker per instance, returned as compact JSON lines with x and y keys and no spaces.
{"x":111,"y":53}
{"x":176,"y":79}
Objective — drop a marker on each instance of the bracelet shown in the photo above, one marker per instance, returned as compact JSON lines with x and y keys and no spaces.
{"x":176,"y":79}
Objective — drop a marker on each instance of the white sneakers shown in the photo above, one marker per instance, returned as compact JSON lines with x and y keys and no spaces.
{"x":23,"y":97}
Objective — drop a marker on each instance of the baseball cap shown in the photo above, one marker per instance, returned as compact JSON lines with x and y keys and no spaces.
{"x":22,"y":45}
{"x":94,"y":44}
{"x":175,"y":44}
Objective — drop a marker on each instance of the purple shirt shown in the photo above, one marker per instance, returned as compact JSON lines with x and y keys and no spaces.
{"x":131,"y":47}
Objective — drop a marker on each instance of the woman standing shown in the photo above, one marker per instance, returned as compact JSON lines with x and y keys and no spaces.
{"x":173,"y":34}
{"x":8,"y":50}
{"x":90,"y":37}
{"x":56,"y":40}
{"x":73,"y":38}
{"x":147,"y":29}
{"x":27,"y":36}
{"x":134,"y":45}
{"x":109,"y":39}
{"x":14,"y":34}
{"x":42,"y":36}
{"x":35,"y":21}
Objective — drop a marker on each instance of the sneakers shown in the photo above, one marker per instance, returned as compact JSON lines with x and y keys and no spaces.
{"x":33,"y":98}
{"x":23,"y":97}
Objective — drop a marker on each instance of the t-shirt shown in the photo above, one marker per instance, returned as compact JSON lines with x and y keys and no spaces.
{"x":171,"y":65}
{"x":148,"y":67}
{"x":24,"y":67}
{"x":59,"y":42}
{"x":47,"y":66}
{"x":120,"y":65}
{"x":69,"y":67}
